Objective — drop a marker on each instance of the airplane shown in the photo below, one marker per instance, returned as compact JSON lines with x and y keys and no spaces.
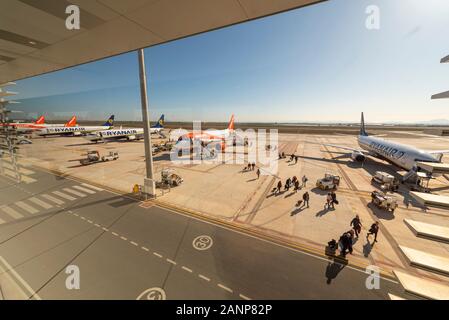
{"x":206,"y":137}
{"x":404,"y":156}
{"x":75,"y":131}
{"x":23,"y":127}
{"x":127,"y":133}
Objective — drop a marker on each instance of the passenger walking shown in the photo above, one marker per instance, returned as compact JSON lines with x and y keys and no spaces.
{"x":296,"y":185}
{"x":258,"y":173}
{"x":287,"y":184}
{"x":296,"y":159}
{"x":346,"y":243}
{"x":304,"y":181}
{"x":294,"y":179}
{"x":279,"y":186}
{"x":373,"y":230}
{"x":305,"y":198}
{"x":357,"y":225}
{"x":334,"y":199}
{"x":328,"y":201}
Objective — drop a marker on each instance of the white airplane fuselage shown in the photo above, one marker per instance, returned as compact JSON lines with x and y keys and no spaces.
{"x":74,"y":131}
{"x":402,"y":155}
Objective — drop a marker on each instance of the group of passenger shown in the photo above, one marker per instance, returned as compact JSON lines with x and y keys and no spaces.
{"x":346,"y":240}
{"x":293,"y":157}
{"x":291,"y":183}
{"x":331,"y":200}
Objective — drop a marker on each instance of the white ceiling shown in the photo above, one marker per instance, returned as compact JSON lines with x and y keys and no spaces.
{"x":34,"y":39}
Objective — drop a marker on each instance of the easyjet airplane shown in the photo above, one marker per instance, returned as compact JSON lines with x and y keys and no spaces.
{"x":40,"y":124}
{"x":218,"y":137}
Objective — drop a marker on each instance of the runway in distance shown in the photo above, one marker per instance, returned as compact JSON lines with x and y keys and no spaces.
{"x":75,"y":130}
{"x":401,"y":155}
{"x":129,"y":134}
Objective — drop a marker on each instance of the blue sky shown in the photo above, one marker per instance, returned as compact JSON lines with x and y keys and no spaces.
{"x":318,"y":63}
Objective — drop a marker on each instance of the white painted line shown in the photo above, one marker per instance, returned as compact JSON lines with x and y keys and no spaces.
{"x":97,"y":225}
{"x":157,"y":254}
{"x":105,"y":229}
{"x":41,"y":203}
{"x":76,"y":214}
{"x":115,"y":234}
{"x":64,"y":195}
{"x":76,"y":193}
{"x":224,"y":288}
{"x":123,"y":238}
{"x":84,"y":189}
{"x":204,"y":277}
{"x":92,"y":187}
{"x":52,"y":199}
{"x":83,"y":218}
{"x":244,"y":297}
{"x":145,"y":248}
{"x":26,"y":207}
{"x":187,"y":269}
{"x":171,"y":261}
{"x":134,"y":243}
{"x":10,"y":211}
{"x":25,"y":285}
{"x":90,"y":221}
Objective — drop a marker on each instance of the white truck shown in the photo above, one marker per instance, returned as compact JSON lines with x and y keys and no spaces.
{"x":386,"y":181}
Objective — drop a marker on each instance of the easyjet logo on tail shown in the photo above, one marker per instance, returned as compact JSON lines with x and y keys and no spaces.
{"x":40,"y":120}
{"x":231,"y":123}
{"x":71,"y":122}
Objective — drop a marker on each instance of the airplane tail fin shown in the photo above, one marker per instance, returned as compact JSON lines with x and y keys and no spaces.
{"x":231,"y":124}
{"x":71,"y":122}
{"x":160,"y":123}
{"x":40,"y":120}
{"x":362,"y":126}
{"x":109,"y":122}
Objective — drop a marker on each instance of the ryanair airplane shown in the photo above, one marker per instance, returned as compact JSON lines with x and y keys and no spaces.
{"x":129,"y":134}
{"x":75,"y":131}
{"x":401,"y":155}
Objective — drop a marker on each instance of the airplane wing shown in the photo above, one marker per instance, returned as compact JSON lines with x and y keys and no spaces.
{"x":437,"y":151}
{"x":339,"y":147}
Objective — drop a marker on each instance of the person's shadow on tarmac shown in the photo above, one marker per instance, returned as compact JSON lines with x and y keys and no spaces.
{"x":332,"y":270}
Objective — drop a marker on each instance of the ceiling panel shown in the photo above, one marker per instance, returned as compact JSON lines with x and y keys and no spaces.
{"x":183,"y":18}
{"x":125,"y":6}
{"x":17,"y":17}
{"x":113,"y":27}
{"x":257,"y":8}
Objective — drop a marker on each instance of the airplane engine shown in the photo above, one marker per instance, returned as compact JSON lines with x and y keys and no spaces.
{"x":358,"y":156}
{"x":130,"y":138}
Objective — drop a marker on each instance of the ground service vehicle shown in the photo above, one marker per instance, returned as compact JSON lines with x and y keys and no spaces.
{"x":383,"y":201}
{"x":329,"y":182}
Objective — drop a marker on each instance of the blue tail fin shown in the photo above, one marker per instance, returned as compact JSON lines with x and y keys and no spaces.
{"x":160,"y":123}
{"x":109,"y":122}
{"x":362,"y":126}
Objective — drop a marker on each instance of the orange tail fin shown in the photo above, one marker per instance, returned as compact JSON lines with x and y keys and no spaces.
{"x":40,"y":120}
{"x":71,"y":123}
{"x":231,"y":123}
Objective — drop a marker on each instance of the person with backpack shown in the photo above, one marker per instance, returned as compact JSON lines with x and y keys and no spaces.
{"x":373,"y":230}
{"x":305,"y":198}
{"x":357,"y":225}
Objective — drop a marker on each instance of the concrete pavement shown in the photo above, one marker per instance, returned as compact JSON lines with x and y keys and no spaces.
{"x":123,"y":250}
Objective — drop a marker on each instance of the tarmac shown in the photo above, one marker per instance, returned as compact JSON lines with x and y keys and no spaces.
{"x":222,"y":193}
{"x":124,"y":249}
